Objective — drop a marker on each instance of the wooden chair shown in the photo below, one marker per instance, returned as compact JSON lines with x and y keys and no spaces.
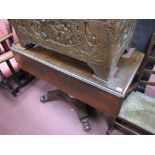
{"x":5,"y":56}
{"x":8,"y":64}
{"x":137,"y":115}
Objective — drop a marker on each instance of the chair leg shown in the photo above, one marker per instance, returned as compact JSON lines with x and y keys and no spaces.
{"x":5,"y":84}
{"x":12,"y":71}
{"x":2,"y":76}
{"x":111,"y":124}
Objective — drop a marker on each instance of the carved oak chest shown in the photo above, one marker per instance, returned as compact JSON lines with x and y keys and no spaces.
{"x":99,"y":43}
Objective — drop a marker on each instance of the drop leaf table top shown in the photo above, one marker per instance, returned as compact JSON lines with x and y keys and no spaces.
{"x":77,"y":79}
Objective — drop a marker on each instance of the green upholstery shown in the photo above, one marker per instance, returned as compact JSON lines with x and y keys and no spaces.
{"x":139,"y":109}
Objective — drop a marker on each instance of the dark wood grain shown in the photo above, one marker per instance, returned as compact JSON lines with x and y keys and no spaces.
{"x":102,"y":101}
{"x":118,"y":83}
{"x":108,"y":103}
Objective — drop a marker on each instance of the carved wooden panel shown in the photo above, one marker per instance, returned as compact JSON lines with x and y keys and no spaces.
{"x":99,"y":43}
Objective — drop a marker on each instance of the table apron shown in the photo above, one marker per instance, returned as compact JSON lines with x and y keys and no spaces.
{"x":99,"y":99}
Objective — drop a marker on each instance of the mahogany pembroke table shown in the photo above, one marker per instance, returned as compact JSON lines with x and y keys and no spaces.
{"x":77,"y":79}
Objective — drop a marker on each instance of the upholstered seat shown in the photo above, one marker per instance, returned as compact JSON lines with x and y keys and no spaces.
{"x":139,"y":109}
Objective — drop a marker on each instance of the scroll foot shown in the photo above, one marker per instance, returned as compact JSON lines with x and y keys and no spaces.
{"x":80,"y":107}
{"x":43,"y":99}
{"x":86,"y":124}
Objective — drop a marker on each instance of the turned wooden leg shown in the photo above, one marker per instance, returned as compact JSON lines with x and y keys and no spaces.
{"x":80,"y":106}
